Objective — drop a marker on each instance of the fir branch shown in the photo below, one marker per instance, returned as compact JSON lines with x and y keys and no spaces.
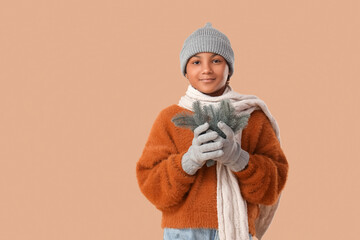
{"x":200,"y":117}
{"x":184,"y":120}
{"x":225,"y":113}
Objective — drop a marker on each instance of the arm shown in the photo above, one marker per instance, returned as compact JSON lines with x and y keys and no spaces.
{"x":265,"y":175}
{"x":160,"y":175}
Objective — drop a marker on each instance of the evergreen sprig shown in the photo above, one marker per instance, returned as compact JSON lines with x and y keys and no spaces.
{"x":225,"y":113}
{"x":191,"y":120}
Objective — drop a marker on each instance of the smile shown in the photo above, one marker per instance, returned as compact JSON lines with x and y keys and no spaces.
{"x":207,"y":79}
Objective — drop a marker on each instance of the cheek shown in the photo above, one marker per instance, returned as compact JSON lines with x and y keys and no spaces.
{"x":226,"y":70}
{"x":188,"y":69}
{"x":223,"y":71}
{"x":191,"y":70}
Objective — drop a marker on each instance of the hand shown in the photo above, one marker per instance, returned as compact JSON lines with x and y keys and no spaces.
{"x":203,"y":148}
{"x":234,"y":157}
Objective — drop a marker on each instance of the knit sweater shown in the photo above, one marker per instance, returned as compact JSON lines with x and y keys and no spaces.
{"x":189,"y":201}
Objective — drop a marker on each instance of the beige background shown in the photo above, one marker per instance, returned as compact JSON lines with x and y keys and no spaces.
{"x":81,"y":83}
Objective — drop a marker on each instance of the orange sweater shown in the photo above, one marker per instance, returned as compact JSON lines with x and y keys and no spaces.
{"x":189,"y":201}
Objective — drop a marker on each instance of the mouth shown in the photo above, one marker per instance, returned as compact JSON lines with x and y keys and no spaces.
{"x":207,"y":79}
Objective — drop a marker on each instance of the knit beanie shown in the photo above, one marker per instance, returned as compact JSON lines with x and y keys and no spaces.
{"x":207,"y":39}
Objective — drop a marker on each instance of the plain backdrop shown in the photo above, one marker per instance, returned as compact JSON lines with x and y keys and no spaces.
{"x":81,"y":83}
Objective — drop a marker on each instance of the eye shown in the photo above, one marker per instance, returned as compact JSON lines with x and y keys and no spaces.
{"x":196,"y":62}
{"x":216,"y":61}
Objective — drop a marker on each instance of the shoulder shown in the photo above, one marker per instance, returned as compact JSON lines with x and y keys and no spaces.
{"x":164,"y":117}
{"x":258,"y":123}
{"x":259,"y":135}
{"x":258,"y":117}
{"x":169,"y":112}
{"x":164,"y":130}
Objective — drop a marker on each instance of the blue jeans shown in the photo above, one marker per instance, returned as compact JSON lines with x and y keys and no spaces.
{"x":192,"y":234}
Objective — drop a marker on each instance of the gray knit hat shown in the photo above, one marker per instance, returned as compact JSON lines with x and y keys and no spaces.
{"x":207,"y":39}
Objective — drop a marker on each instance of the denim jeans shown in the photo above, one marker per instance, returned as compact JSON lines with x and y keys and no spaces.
{"x":192,"y":234}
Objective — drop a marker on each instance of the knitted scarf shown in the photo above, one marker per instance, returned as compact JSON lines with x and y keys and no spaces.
{"x":231,"y":207}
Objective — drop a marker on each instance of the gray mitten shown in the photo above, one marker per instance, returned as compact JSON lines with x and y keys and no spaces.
{"x":203,"y":148}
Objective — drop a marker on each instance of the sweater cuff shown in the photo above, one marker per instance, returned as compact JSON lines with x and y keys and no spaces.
{"x":179,"y":171}
{"x":241,"y":162}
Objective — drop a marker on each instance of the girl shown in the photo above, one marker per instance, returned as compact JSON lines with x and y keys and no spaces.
{"x":234,"y":199}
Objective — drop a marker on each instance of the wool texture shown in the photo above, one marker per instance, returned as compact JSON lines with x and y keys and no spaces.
{"x":190,"y":201}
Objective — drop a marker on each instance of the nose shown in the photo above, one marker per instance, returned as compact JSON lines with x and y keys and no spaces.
{"x":206,"y":68}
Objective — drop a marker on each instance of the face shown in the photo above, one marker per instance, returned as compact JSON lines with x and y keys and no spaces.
{"x":208,"y":73}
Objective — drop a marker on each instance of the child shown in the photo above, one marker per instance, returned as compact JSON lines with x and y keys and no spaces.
{"x":234,"y":199}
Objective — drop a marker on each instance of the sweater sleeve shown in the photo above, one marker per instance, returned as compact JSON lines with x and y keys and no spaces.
{"x":263,"y":179}
{"x":160,"y":175}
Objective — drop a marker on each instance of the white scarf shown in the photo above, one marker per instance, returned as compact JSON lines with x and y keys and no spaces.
{"x":231,"y":207}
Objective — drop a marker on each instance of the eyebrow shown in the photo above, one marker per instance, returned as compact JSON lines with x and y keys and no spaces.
{"x":215,"y":54}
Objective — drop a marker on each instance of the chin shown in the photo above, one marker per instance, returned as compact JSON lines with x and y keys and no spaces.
{"x":210,"y":93}
{"x":207,"y":91}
